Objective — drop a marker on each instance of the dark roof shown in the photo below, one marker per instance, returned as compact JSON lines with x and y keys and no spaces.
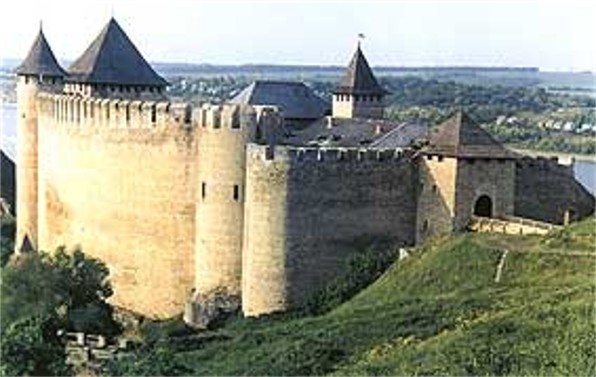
{"x":359,"y":78}
{"x":40,"y":60}
{"x":350,"y":132}
{"x":113,"y":59}
{"x":401,"y":136}
{"x":460,"y":136}
{"x":297,"y":100}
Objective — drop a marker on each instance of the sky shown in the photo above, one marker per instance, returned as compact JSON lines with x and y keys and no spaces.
{"x":552,"y":35}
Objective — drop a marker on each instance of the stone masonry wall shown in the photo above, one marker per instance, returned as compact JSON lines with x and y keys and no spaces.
{"x":545,"y":190}
{"x":348,"y":107}
{"x":220,"y":207}
{"x":308,"y":208}
{"x":476,"y":177}
{"x":436,"y":199}
{"x":26,"y":164}
{"x":119,"y":180}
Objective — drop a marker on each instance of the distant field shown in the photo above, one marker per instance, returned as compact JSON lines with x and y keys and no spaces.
{"x":506,"y":76}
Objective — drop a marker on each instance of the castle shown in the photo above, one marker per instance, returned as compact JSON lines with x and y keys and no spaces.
{"x":184,"y":202}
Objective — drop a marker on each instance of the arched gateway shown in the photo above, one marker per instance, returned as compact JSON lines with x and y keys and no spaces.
{"x":483,"y":206}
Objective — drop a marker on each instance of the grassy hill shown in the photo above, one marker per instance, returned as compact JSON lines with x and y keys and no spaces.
{"x":439,"y":311}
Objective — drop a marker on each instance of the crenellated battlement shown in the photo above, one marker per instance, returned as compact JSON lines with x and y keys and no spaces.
{"x":71,"y":110}
{"x":321,"y":155}
{"x":544,"y":163}
{"x":226,"y":116}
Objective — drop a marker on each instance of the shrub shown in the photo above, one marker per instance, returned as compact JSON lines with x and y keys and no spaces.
{"x":362,"y":268}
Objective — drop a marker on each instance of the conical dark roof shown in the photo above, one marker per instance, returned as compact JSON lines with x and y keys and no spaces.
{"x":459,"y":136}
{"x":40,"y":60}
{"x":359,"y":78}
{"x":113,"y":59}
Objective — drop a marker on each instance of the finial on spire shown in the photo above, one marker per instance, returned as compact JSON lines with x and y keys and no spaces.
{"x":360,"y":38}
{"x":40,"y":25}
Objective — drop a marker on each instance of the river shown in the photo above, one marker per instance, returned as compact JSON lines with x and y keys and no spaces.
{"x":585,"y":170}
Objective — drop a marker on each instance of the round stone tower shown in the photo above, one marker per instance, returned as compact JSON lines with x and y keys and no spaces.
{"x":39,"y":72}
{"x":224,"y":132}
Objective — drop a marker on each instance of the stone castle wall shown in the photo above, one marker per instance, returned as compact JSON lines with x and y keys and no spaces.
{"x":175,"y":199}
{"x":450,"y":187}
{"x":494,"y":178}
{"x":545,"y":190}
{"x":154,"y":189}
{"x":220,"y":203}
{"x":119,"y":180}
{"x":307,"y":208}
{"x":436,"y":199}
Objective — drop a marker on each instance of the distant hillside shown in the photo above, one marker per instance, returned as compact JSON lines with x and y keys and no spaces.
{"x":8,"y":65}
{"x":438,"y":312}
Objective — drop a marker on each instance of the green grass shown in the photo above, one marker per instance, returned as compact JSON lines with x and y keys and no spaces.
{"x":437,"y":312}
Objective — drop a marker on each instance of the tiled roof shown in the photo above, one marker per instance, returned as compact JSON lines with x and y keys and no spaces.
{"x":113,"y":59}
{"x":296,"y":99}
{"x":40,"y":60}
{"x":459,"y":136}
{"x":359,"y":78}
{"x":356,"y":132}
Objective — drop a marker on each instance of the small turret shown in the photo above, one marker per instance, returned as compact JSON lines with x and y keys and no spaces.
{"x":358,"y":95}
{"x":39,"y":71}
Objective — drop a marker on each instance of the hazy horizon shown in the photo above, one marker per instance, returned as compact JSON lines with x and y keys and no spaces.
{"x":549,"y":35}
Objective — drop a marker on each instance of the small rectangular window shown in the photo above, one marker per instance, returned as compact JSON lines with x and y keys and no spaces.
{"x":203,"y":190}
{"x":236,"y":192}
{"x":440,"y":158}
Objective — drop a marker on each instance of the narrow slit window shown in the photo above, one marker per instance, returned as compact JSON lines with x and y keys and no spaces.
{"x":203,"y":190}
{"x":236,"y":192}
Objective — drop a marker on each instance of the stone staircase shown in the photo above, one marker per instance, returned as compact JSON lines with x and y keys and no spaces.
{"x":509,"y":225}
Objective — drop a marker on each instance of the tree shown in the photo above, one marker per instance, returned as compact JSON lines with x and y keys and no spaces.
{"x":42,"y":294}
{"x":7,"y":235}
{"x":70,"y":285}
{"x":30,"y":347}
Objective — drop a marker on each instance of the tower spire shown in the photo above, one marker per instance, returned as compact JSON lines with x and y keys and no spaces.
{"x":40,"y":60}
